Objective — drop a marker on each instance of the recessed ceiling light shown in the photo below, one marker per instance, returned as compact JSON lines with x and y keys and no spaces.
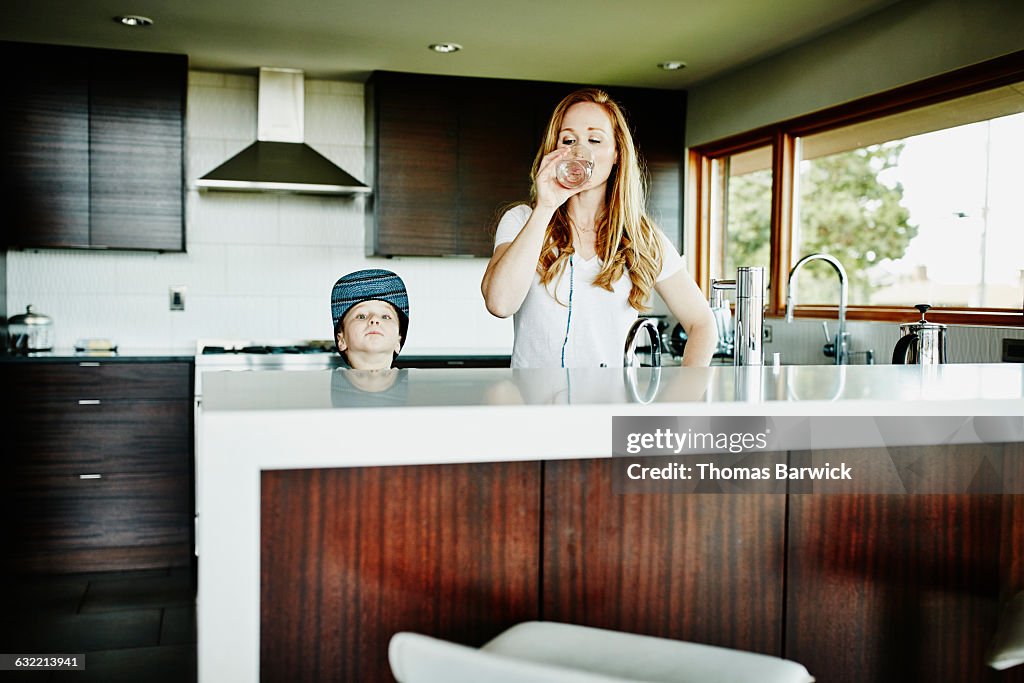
{"x":672,"y":66}
{"x":445,"y":48}
{"x":133,"y":20}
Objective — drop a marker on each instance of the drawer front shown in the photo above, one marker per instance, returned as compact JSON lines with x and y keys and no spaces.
{"x":40,"y":382}
{"x":105,"y":437}
{"x":45,"y":514}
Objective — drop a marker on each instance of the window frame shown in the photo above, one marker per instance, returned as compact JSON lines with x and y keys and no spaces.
{"x":783,"y":136}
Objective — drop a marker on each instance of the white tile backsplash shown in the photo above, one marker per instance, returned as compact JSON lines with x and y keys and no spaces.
{"x":235,"y":218}
{"x":800,"y":342}
{"x":261,"y":266}
{"x":226,"y":111}
{"x":335,"y":88}
{"x":324,"y":222}
{"x":334,"y":118}
{"x":208,"y":270}
{"x":150,"y":274}
{"x":61,"y":272}
{"x":136,"y":319}
{"x":308,"y":316}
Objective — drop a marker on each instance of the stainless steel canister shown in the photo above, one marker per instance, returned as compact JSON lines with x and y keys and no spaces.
{"x":921,"y":343}
{"x":30,"y":331}
{"x":749,"y":337}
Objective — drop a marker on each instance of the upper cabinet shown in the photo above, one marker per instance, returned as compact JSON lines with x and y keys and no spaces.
{"x":44,"y":146}
{"x":91,"y":148}
{"x":449,"y":153}
{"x":413,"y":121}
{"x":658,"y":121}
{"x":136,"y":115}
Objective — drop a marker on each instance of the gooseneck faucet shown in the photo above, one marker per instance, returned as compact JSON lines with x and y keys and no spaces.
{"x":839,"y":346}
{"x":629,"y":353}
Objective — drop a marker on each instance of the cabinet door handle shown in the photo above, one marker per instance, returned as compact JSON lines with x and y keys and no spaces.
{"x":90,"y":476}
{"x":88,"y":401}
{"x":88,"y":364}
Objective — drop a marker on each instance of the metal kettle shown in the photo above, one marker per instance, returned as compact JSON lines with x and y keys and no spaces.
{"x":921,"y":343}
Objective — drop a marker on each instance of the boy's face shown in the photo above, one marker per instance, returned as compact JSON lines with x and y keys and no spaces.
{"x":370,"y":329}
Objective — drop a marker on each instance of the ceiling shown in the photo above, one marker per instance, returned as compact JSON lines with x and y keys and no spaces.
{"x":612,"y":42}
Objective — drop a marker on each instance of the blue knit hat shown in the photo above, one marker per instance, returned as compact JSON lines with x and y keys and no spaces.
{"x":370,"y":285}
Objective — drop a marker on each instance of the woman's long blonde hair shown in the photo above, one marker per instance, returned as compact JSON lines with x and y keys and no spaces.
{"x":625,"y":239}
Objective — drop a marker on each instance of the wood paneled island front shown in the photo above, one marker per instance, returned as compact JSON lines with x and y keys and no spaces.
{"x":459,"y":502}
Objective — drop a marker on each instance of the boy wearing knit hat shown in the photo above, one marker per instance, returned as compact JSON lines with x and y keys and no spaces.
{"x":370,"y":310}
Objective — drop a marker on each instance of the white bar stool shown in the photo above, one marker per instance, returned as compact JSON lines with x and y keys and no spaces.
{"x":1007,"y":647}
{"x":550,"y":652}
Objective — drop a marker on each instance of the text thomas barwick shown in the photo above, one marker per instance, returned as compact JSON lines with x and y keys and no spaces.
{"x":710,"y":471}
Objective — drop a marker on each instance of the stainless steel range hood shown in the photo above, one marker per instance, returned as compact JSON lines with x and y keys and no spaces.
{"x":279,"y":160}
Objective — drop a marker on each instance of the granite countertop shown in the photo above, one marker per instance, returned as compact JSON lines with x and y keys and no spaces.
{"x":64,"y":355}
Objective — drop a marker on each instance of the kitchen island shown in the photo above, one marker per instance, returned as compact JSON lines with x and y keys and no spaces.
{"x":333,"y":512}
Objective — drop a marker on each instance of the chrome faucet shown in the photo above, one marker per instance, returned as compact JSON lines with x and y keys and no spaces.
{"x":838,"y":348}
{"x":744,"y":340}
{"x":629,"y":353}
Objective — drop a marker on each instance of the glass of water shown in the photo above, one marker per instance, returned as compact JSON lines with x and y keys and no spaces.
{"x":576,"y":167}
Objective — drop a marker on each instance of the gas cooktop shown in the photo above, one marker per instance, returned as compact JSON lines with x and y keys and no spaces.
{"x":221,"y":347}
{"x":230,"y":354}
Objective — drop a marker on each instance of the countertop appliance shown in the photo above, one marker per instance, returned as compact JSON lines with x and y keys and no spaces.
{"x":921,"y":343}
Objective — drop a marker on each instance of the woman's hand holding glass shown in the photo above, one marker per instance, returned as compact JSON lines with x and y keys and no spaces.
{"x":576,"y":167}
{"x":570,"y":165}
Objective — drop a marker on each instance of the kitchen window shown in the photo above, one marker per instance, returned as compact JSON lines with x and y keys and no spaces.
{"x":916,"y":191}
{"x":742,"y":187}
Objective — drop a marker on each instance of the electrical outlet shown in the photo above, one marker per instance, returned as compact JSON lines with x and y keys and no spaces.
{"x":1013,"y":350}
{"x":177,"y":297}
{"x":767,"y":334}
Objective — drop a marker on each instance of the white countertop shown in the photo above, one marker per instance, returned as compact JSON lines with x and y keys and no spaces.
{"x":250,"y":422}
{"x":839,"y":390}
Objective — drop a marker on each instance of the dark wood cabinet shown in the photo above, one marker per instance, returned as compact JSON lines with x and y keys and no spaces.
{"x":415,"y":166}
{"x":450,"y":152}
{"x":451,"y":550}
{"x":91,"y":148}
{"x":99,"y":466}
{"x":500,"y":127}
{"x":44,"y":146}
{"x":136,"y":119}
{"x":905,"y":587}
{"x":707,"y":568}
{"x":657,"y":121}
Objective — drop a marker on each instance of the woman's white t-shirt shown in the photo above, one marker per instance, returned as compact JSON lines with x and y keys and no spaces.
{"x":593,"y":331}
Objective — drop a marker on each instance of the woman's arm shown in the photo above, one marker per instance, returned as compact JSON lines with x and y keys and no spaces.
{"x":510,"y":271}
{"x":686,"y":302}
